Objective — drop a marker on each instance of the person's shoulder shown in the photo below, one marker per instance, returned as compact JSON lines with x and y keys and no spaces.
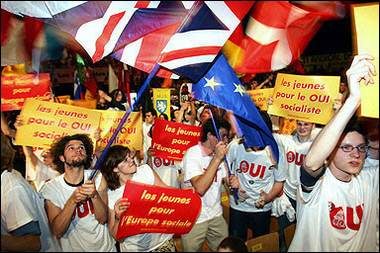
{"x":233,"y":144}
{"x":193,"y":152}
{"x":12,"y":178}
{"x":195,"y":148}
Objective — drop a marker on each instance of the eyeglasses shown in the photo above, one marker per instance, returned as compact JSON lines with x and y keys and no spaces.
{"x":349,"y":148}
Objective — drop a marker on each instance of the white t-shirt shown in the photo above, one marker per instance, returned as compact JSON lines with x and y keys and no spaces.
{"x":85,"y":233}
{"x":292,"y":152}
{"x":195,"y":162}
{"x":255,"y":172}
{"x":30,"y":173}
{"x":147,"y":140}
{"x":20,"y":205}
{"x":373,"y":164}
{"x":141,"y":242}
{"x":338,"y":216}
{"x":43,"y":173}
{"x":168,"y":170}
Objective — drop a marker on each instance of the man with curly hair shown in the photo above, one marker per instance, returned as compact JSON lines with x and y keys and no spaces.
{"x":77,"y":207}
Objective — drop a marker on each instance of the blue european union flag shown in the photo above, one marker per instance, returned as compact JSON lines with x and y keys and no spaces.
{"x":221,"y":87}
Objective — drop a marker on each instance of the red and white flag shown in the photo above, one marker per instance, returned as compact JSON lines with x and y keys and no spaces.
{"x":277,"y":33}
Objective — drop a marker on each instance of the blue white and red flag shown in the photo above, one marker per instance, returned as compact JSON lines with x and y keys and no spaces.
{"x":193,"y":48}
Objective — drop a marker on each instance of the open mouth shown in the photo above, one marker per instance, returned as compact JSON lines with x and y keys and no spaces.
{"x":354,"y":164}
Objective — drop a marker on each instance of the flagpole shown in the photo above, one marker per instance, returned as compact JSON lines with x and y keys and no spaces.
{"x":225,"y":158}
{"x":141,"y":91}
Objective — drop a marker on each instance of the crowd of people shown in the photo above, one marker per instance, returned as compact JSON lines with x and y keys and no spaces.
{"x":330,"y":190}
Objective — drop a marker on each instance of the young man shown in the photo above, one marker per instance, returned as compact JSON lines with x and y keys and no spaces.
{"x":77,"y":207}
{"x":150,"y":117}
{"x":204,"y":169}
{"x":261,"y":181}
{"x":337,"y":199}
{"x":293,"y":149}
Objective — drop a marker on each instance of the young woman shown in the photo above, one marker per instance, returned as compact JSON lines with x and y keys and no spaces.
{"x":118,"y":166}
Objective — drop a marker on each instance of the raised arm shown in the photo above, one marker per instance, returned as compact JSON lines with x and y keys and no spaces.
{"x":193,"y":111}
{"x":327,"y":139}
{"x":202,"y":183}
{"x":28,"y":151}
{"x":184,"y":107}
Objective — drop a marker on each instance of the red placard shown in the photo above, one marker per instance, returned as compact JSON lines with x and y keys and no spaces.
{"x":170,"y":140}
{"x":15,"y":90}
{"x":157,"y":209}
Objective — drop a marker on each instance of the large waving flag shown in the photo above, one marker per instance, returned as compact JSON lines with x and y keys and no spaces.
{"x":108,"y":27}
{"x":98,"y":25}
{"x":28,"y":40}
{"x":221,"y":87}
{"x":277,"y":33}
{"x":193,"y":48}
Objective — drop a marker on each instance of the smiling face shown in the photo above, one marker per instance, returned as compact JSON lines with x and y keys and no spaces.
{"x":345,"y":164}
{"x":304,"y":129}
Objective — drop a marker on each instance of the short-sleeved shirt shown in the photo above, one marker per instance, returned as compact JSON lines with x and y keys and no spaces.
{"x":255,"y":172}
{"x":333,"y":215}
{"x":292,"y":153}
{"x":168,"y":170}
{"x":21,"y":205}
{"x":195,"y":163}
{"x":85,"y":233}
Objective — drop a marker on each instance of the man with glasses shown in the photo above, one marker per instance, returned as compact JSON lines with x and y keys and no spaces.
{"x":336,"y":200}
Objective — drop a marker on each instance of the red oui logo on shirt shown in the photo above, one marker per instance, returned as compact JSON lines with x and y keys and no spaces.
{"x":259,"y":171}
{"x":297,"y":158}
{"x":338,"y":216}
{"x":83,"y":209}
{"x":159,"y":161}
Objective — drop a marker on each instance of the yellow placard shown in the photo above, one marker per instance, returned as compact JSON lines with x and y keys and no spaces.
{"x":260,"y":97}
{"x":89,"y":104}
{"x":366,"y":40}
{"x":308,"y":98}
{"x":45,"y":121}
{"x":161,"y":101}
{"x":287,"y":126}
{"x":130,"y":133}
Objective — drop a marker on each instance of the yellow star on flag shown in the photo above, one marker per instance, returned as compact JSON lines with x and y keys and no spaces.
{"x":211,"y":83}
{"x":239,"y":89}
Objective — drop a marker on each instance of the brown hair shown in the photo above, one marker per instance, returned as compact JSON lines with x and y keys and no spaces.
{"x":58,"y":148}
{"x":115,"y":155}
